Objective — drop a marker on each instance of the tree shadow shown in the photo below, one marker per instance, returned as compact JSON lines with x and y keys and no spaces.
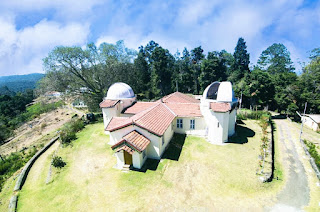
{"x":241,"y":136}
{"x":280,"y":116}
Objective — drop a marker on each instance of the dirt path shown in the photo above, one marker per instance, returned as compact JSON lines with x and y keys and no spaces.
{"x":296,"y":192}
{"x":34,"y":175}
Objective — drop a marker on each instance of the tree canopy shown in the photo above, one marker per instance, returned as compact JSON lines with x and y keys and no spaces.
{"x":153,"y":72}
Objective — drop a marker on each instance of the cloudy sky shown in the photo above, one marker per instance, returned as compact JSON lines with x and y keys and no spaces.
{"x":29,"y":29}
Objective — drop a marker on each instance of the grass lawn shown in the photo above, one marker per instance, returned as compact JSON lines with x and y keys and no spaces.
{"x":193,"y":175}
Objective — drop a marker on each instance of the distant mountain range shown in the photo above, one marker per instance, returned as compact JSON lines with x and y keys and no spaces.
{"x":9,"y":85}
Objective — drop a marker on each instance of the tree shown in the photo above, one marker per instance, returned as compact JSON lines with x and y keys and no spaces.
{"x":260,"y":88}
{"x":276,"y":59}
{"x":212,"y":69}
{"x":196,"y":57}
{"x":241,"y":62}
{"x":162,"y":63}
{"x":72,"y":68}
{"x":309,"y":83}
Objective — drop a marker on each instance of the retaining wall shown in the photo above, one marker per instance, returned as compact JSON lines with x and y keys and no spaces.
{"x":24,"y":173}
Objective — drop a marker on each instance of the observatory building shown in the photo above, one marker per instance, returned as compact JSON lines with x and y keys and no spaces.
{"x":141,"y":130}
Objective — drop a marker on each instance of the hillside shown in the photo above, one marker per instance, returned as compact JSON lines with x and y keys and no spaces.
{"x":18,"y":83}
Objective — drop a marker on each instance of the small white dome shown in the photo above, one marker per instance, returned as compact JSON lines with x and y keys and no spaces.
{"x":120,"y":90}
{"x":225,"y":92}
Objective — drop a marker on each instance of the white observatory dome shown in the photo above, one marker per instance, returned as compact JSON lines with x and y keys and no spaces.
{"x":120,"y":90}
{"x":225,"y":92}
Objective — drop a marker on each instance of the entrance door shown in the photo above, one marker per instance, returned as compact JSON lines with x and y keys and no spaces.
{"x":127,"y":158}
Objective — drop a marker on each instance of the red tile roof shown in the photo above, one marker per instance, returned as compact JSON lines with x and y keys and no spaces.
{"x":155,"y":119}
{"x":134,"y":140}
{"x":138,"y":107}
{"x":125,"y":148}
{"x":118,"y":122}
{"x":220,"y":106}
{"x":185,"y":109}
{"x":107,"y":103}
{"x":178,"y":97}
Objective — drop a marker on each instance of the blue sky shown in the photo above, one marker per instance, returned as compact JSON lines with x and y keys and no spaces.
{"x":30,"y":29}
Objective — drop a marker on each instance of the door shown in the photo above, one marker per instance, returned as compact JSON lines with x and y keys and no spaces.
{"x":127,"y":158}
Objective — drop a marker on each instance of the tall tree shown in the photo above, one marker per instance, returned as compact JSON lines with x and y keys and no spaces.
{"x":212,"y":69}
{"x":276,"y":59}
{"x":241,"y":62}
{"x":196,"y":57}
{"x":162,"y":63}
{"x":309,"y":83}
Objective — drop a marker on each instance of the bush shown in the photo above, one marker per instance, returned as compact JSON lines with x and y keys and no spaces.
{"x":58,"y":162}
{"x":14,"y":162}
{"x":67,"y":136}
{"x":256,"y":115}
{"x":313,"y":152}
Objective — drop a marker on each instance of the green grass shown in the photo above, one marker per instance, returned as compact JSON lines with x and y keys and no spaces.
{"x":203,"y":176}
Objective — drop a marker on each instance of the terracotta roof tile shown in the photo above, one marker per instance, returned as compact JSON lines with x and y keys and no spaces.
{"x":118,"y":122}
{"x":220,"y":106}
{"x":107,"y":103}
{"x":185,"y":109}
{"x":134,"y":141}
{"x":155,"y":119}
{"x":125,"y":148}
{"x":139,"y":141}
{"x":178,"y":97}
{"x":138,"y":107}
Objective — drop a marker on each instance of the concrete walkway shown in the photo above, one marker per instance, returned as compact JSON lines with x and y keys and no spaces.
{"x":295,"y":194}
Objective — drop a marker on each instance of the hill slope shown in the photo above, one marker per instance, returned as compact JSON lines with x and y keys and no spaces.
{"x":19,"y":83}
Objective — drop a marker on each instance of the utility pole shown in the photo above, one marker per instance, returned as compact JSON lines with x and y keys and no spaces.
{"x":304,"y":112}
{"x":240,"y":101}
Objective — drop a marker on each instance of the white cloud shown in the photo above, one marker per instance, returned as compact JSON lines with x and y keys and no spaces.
{"x":213,"y":24}
{"x":22,"y":51}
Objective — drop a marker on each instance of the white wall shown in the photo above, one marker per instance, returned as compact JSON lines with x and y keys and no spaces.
{"x":108,"y":113}
{"x":167,"y":136}
{"x":200,"y":126}
{"x":310,"y":123}
{"x":153,"y":149}
{"x":137,"y":160}
{"x":120,"y":159}
{"x":232,"y":122}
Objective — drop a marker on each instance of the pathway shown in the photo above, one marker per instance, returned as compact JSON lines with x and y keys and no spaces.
{"x":295,"y":194}
{"x":34,"y":177}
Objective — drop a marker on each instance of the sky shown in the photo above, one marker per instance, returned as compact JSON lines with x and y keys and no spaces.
{"x":30,"y":29}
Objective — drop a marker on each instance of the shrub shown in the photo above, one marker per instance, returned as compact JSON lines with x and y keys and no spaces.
{"x":67,"y":136}
{"x":58,"y":162}
{"x":313,"y":152}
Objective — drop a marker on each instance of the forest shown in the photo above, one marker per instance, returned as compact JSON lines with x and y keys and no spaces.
{"x":153,"y":71}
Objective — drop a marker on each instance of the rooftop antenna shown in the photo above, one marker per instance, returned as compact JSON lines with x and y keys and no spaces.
{"x":177,"y":85}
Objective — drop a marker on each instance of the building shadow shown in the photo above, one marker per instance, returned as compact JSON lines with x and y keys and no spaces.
{"x":174,"y":148}
{"x":241,"y":136}
{"x":172,"y":152}
{"x":150,"y":164}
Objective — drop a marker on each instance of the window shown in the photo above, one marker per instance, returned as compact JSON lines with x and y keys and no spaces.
{"x":192,"y":124}
{"x":179,"y":123}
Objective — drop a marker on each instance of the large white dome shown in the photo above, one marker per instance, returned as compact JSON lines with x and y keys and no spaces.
{"x":120,"y":90}
{"x":225,"y":92}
